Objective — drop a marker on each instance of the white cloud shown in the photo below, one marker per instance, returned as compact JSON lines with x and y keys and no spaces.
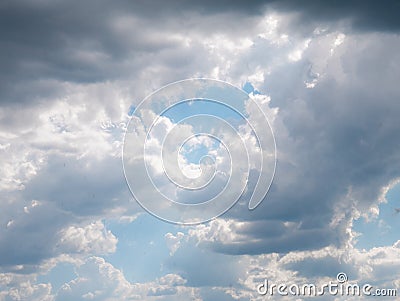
{"x":23,"y":287}
{"x":99,"y":280}
{"x":173,"y":241}
{"x":90,"y":239}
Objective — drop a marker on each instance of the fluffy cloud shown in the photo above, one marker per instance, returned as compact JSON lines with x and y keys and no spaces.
{"x":93,"y":238}
{"x":331,"y":140}
{"x":99,"y":280}
{"x":328,"y":84}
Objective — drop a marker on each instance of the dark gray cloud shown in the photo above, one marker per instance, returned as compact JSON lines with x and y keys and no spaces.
{"x":30,"y":239}
{"x":293,"y":240}
{"x":89,"y":42}
{"x":363,"y":15}
{"x":47,"y":42}
{"x":326,"y":266}
{"x":81,"y":190}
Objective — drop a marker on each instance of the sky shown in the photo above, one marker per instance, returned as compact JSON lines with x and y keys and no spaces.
{"x":73,"y":73}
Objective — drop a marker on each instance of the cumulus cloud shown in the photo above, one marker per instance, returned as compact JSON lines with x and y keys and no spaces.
{"x":99,"y":280}
{"x":326,"y":76}
{"x":330,"y":162}
{"x":93,"y":238}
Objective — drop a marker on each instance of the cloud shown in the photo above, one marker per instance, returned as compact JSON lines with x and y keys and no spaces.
{"x":173,"y":241}
{"x":91,"y":239}
{"x":62,"y":168}
{"x":25,"y":290}
{"x":255,"y":237}
{"x":331,"y":140}
{"x":118,"y":43}
{"x":327,"y":76}
{"x":121,"y":42}
{"x":99,"y":280}
{"x":363,"y":15}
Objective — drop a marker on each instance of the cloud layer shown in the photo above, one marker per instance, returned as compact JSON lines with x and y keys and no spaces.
{"x":326,"y":77}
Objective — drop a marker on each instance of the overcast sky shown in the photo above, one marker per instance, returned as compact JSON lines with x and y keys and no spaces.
{"x":72,"y":71}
